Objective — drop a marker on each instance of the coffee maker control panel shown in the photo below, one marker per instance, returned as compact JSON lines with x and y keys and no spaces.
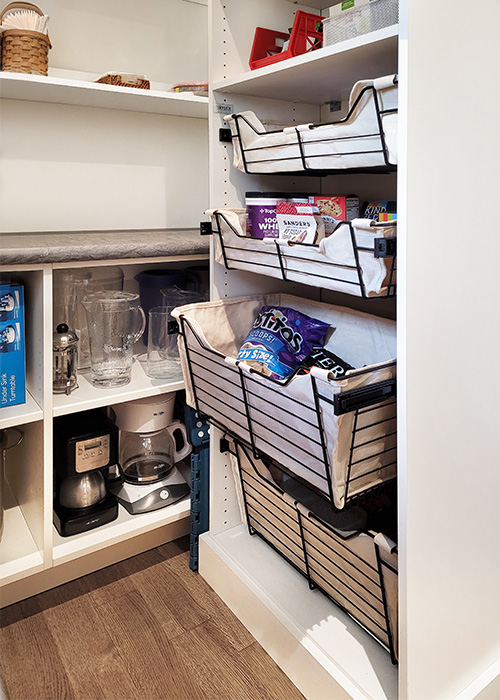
{"x":92,"y":454}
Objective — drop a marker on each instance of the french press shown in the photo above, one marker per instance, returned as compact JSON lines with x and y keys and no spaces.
{"x":65,"y":360}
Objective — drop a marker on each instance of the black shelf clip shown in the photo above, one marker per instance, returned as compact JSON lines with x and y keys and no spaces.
{"x":205,"y":228}
{"x":225,"y":135}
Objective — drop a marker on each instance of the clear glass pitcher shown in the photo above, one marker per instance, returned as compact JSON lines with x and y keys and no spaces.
{"x":163,"y":353}
{"x":70,"y":287}
{"x":115,"y":321}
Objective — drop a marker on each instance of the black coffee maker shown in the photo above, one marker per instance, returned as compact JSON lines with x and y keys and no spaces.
{"x":85,"y":448}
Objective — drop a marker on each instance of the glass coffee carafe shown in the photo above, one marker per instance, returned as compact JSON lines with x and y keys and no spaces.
{"x":150,"y":457}
{"x":151,"y":441}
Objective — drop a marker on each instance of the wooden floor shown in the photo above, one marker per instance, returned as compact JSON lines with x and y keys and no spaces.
{"x":147,"y":628}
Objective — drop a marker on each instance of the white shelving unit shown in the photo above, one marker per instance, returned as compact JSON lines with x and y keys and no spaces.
{"x":84,"y":93}
{"x":321,"y":648}
{"x":448,"y":458}
{"x":97,"y":158}
{"x":32,"y":554}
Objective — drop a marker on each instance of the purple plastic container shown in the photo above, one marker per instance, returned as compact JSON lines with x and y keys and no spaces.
{"x":261,"y":213}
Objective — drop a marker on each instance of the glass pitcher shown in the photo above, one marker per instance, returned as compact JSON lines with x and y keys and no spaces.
{"x":166,"y":340}
{"x":115,"y":321}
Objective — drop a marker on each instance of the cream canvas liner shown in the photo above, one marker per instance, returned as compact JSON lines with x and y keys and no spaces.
{"x":353,"y":143}
{"x":329,"y":265}
{"x":285,"y":423}
{"x":347,"y":570}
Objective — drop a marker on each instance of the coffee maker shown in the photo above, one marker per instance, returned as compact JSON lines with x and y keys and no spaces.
{"x":85,"y":449}
{"x":151,"y":444}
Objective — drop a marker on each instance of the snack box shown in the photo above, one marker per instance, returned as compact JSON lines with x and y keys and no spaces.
{"x":372,"y":210}
{"x":335,"y":209}
{"x":12,"y":354}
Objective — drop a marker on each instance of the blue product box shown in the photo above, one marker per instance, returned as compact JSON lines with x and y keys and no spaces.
{"x":12,"y":354}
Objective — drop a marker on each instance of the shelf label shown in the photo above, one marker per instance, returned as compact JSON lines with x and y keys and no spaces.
{"x":223,"y":108}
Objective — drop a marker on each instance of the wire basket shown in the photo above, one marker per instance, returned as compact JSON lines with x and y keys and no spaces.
{"x":23,"y":50}
{"x":357,"y":570}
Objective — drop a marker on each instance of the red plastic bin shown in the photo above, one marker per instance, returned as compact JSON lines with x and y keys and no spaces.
{"x":304,"y":37}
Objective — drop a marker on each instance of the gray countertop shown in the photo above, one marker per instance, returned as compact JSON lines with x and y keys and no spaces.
{"x":23,"y":248}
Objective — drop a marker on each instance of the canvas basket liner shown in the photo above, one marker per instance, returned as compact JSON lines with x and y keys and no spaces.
{"x":294,"y":423}
{"x":366,"y":138}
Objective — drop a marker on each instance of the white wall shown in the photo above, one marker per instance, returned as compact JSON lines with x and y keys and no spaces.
{"x":164,"y":39}
{"x":76,"y":168}
{"x":450,"y":333}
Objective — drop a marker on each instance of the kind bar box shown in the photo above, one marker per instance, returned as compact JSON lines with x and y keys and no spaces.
{"x":372,"y":210}
{"x":12,"y":357}
{"x":335,"y":209}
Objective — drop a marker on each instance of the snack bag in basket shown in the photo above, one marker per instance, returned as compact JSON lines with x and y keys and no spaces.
{"x":280,"y":340}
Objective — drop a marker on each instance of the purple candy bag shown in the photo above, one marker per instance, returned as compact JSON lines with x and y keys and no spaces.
{"x":280,"y":340}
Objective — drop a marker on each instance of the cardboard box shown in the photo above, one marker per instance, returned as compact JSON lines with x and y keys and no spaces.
{"x":12,"y":352}
{"x":372,"y":210}
{"x":335,"y":209}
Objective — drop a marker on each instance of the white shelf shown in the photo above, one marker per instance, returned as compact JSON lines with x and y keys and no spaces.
{"x":19,"y":555}
{"x":350,"y":655}
{"x":70,"y":91}
{"x":323,"y":75}
{"x":126,"y":525}
{"x":20,"y":414}
{"x":88,"y":396}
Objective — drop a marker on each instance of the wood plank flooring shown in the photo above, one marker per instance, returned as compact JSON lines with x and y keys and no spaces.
{"x":144,"y":629}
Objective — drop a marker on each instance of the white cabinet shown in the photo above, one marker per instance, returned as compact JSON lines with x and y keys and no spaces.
{"x":448,"y":458}
{"x":33,"y":556}
{"x":77,"y":157}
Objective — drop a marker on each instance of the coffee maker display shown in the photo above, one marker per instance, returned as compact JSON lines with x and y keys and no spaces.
{"x":85,"y":449}
{"x":151,"y":443}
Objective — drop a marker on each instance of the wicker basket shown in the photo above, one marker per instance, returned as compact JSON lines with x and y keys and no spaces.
{"x":24,"y":51}
{"x":116,"y":79}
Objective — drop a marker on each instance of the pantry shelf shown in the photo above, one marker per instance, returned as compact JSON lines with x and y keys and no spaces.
{"x":84,"y":93}
{"x":126,"y":525}
{"x":21,"y":414}
{"x":88,"y":396}
{"x":328,"y":73}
